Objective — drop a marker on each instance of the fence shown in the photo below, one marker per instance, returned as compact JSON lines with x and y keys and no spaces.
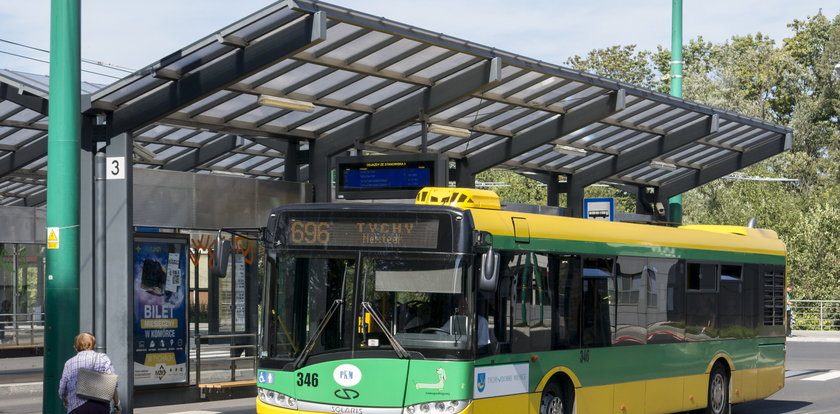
{"x":815,"y":315}
{"x":230,"y":349}
{"x":21,"y":329}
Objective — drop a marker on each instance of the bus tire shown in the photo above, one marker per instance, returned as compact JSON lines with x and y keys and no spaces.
{"x":555,"y":399}
{"x":718,"y":402}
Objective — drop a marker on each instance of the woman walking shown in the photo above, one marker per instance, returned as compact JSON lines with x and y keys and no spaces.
{"x":86,"y":358}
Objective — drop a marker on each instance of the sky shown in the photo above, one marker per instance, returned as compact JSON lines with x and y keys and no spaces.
{"x":134,"y":34}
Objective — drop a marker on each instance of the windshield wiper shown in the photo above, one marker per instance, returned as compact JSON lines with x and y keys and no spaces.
{"x":401,"y":352}
{"x":321,"y":326}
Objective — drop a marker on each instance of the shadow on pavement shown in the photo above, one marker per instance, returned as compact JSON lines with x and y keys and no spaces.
{"x":769,"y":407}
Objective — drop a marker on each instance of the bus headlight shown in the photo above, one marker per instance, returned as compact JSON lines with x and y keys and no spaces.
{"x":276,"y":398}
{"x":437,"y":407}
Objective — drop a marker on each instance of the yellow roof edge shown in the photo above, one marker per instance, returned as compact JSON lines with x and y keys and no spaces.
{"x":739,"y":230}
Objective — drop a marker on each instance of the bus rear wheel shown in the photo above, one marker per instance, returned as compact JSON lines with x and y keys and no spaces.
{"x":718,"y":391}
{"x":554,"y":400}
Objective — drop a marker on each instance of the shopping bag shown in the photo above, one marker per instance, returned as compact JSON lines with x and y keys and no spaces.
{"x":95,"y":385}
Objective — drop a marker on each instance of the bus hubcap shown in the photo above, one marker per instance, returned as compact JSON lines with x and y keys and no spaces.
{"x":717,"y":394}
{"x":552,"y":404}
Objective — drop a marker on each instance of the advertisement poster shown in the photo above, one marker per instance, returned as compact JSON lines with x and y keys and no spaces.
{"x":161,"y":344}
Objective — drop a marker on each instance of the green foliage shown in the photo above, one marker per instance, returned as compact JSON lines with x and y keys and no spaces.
{"x":514,"y":188}
{"x":622,"y":63}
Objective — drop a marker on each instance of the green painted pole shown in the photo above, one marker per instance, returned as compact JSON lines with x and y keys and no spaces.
{"x":675,"y":206}
{"x":62,"y":284}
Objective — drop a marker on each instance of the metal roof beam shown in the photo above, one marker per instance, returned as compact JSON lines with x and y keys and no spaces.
{"x":399,"y":113}
{"x":24,"y":155}
{"x":726,"y":166}
{"x":25,"y":99}
{"x":32,"y":201}
{"x":406,"y":110}
{"x":629,"y":159}
{"x":593,"y":111}
{"x":202,"y":155}
{"x":223,"y":72}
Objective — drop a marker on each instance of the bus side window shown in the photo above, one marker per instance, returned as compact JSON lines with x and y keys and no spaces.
{"x":598,"y":302}
{"x":501,"y":323}
{"x":565,"y":282}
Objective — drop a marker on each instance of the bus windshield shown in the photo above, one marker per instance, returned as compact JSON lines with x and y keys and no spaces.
{"x":418,"y":301}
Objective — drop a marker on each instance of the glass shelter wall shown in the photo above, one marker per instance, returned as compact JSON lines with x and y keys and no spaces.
{"x":21,"y":295}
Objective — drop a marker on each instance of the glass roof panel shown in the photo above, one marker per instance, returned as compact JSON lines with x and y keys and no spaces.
{"x":444,"y":68}
{"x":285,"y":80}
{"x":293,"y":117}
{"x":418,"y":59}
{"x":362,"y":44}
{"x":21,"y":136}
{"x":529,"y":121}
{"x":230,"y":106}
{"x":259,"y":113}
{"x":392,"y":54}
{"x":361,"y":87}
{"x":446,"y":142}
{"x":172,"y":153}
{"x":386,"y":93}
{"x":7,"y":108}
{"x":318,"y":86}
{"x":326,"y":121}
{"x":337,"y":34}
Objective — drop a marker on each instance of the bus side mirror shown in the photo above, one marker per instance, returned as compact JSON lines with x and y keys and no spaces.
{"x":220,"y":259}
{"x":489,"y":271}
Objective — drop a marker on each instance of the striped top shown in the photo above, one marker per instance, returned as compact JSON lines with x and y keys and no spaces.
{"x":84,"y":359}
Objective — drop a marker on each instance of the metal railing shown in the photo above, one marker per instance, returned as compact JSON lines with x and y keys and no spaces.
{"x":228,"y":348}
{"x":21,"y":329}
{"x":815,"y":315}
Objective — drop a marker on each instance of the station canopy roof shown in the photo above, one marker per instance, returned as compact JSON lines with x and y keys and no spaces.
{"x":369,"y":83}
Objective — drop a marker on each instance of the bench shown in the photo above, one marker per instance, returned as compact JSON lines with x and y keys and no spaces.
{"x":216,"y":387}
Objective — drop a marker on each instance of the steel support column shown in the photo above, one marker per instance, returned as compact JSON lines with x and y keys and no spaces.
{"x":553,"y":190}
{"x":119,"y":306}
{"x":463,"y":178}
{"x":61,"y":323}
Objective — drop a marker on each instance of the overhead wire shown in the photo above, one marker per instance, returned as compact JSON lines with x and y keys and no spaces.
{"x":87,"y":61}
{"x":47,"y":62}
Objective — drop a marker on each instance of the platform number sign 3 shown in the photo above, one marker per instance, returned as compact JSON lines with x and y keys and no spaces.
{"x":115,"y":168}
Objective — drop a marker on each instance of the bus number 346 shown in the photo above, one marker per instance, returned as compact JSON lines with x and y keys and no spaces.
{"x":310,"y":380}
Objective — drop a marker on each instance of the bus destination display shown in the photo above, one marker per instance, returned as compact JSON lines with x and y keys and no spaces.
{"x":366,"y":232}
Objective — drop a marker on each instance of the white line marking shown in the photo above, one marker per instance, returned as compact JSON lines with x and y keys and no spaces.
{"x":824,"y":377}
{"x":198,"y":412}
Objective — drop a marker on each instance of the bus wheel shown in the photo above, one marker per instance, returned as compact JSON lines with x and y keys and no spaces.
{"x":718,"y":391}
{"x":554,"y":400}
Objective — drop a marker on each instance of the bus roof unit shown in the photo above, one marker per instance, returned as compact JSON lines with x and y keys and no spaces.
{"x":459,"y":197}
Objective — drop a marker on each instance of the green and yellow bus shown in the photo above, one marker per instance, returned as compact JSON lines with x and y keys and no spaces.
{"x":453,"y":305}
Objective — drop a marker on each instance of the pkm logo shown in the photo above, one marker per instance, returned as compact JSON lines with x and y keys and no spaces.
{"x":347,"y":375}
{"x":481,"y":381}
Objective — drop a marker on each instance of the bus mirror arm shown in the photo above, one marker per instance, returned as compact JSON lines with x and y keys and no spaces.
{"x":489,"y":271}
{"x":218,"y":267}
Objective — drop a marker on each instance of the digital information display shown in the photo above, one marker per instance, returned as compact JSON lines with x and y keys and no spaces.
{"x":349,"y":232}
{"x":388,"y":176}
{"x":396,"y":175}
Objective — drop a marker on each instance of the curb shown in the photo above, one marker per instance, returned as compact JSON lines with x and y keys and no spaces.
{"x":811,"y":339}
{"x":22,"y":388}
